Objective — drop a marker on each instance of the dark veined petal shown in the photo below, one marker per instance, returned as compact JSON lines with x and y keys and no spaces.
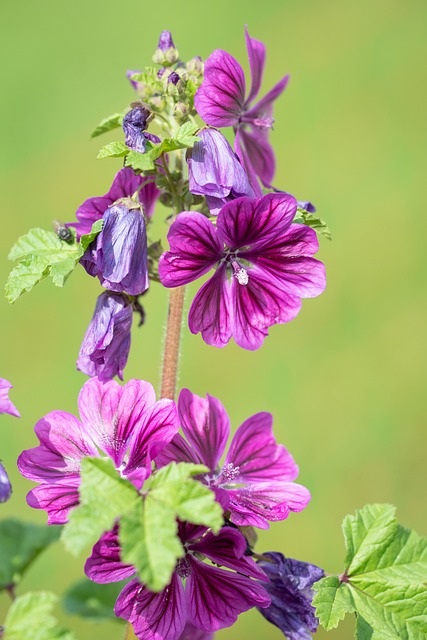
{"x":220,"y":99}
{"x":254,"y":224}
{"x":205,"y":424}
{"x":104,"y":565}
{"x":192,"y":633}
{"x":264,"y":105}
{"x":258,"y":305}
{"x":245,"y":160}
{"x":63,"y":443}
{"x":112,"y":412}
{"x":154,"y":616}
{"x":256,"y":55}
{"x":210,"y":312}
{"x":56,"y":499}
{"x":257,"y":504}
{"x":255,"y":451}
{"x":194,"y":250}
{"x":256,"y":147}
{"x":177,"y":451}
{"x":291,"y":592}
{"x":216,"y":597}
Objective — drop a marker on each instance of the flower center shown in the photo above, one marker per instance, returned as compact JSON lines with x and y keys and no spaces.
{"x":183,"y":568}
{"x":240,"y":273}
{"x":228,"y":474}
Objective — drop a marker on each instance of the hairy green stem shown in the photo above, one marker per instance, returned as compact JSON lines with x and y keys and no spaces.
{"x":172,"y":343}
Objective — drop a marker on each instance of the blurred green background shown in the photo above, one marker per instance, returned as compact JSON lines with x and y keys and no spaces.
{"x":346,"y":380}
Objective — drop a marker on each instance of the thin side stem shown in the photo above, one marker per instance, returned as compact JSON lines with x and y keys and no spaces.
{"x":172,"y":343}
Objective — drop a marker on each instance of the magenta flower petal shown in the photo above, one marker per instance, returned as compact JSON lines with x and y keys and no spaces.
{"x":258,"y":503}
{"x":6,"y":405}
{"x":210,"y":311}
{"x":194,"y":249}
{"x":256,"y":223}
{"x":154,"y":616}
{"x":264,"y":106}
{"x":63,"y":444}
{"x":56,"y":499}
{"x":111,"y":413}
{"x":254,"y":148}
{"x":221,"y":97}
{"x":104,"y":565}
{"x":227,"y":549}
{"x":256,"y":55}
{"x":205,"y":424}
{"x":177,"y":451}
{"x":255,"y":452}
{"x":216,"y":598}
{"x":192,"y":633}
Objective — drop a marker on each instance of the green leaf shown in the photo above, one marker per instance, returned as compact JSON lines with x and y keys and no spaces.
{"x":332,"y":601}
{"x":314,"y":222}
{"x":107,"y":124}
{"x":41,"y":243}
{"x":88,"y":238}
{"x":104,"y":497}
{"x":92,"y":601}
{"x":30,"y":616}
{"x":25,"y":276}
{"x":113,"y":150}
{"x":20,"y":544}
{"x":364,"y":630}
{"x":149,"y":541}
{"x":139,"y":161}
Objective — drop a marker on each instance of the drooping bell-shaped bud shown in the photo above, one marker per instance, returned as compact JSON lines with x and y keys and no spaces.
{"x":105,"y":347}
{"x":166,"y":53}
{"x":215,"y":171}
{"x":5,"y":486}
{"x":134,"y":125}
{"x":118,"y":256}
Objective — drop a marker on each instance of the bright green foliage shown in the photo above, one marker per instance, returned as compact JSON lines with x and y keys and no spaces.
{"x":41,"y":253}
{"x":316,"y":223}
{"x":108,"y":124}
{"x":148,"y":535}
{"x":20,"y":544}
{"x":30,"y":616}
{"x":384,"y":580}
{"x":113,"y":150}
{"x":104,"y":497}
{"x":92,"y":601}
{"x":139,"y":161}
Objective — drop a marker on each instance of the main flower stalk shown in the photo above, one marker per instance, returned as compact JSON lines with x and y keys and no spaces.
{"x":172,"y":343}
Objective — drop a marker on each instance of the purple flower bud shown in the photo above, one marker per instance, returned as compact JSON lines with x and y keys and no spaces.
{"x":165,"y":41}
{"x":118,"y":256}
{"x":291,"y":592}
{"x":105,"y":347}
{"x":214,"y":170}
{"x":129,"y":74}
{"x":134,"y":125}
{"x":5,"y":486}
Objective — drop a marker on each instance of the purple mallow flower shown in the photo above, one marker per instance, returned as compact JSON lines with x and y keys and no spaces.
{"x":255,"y":482}
{"x":214,"y":171}
{"x":291,"y":592}
{"x":6,"y":405}
{"x":105,"y":347}
{"x":134,"y":125}
{"x":124,"y":423}
{"x":125,"y":185}
{"x":263,"y":267}
{"x":5,"y":486}
{"x":118,"y":255}
{"x":199,"y":595}
{"x":222,"y":102}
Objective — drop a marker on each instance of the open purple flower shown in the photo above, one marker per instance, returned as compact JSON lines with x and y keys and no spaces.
{"x":222,"y":102}
{"x":6,"y":405}
{"x":118,"y":256}
{"x":125,"y":185}
{"x":214,"y":171}
{"x":105,"y":347}
{"x":291,"y":592}
{"x":5,"y":486}
{"x":256,"y":478}
{"x":124,"y":423}
{"x":263,"y":267}
{"x":211,"y":598}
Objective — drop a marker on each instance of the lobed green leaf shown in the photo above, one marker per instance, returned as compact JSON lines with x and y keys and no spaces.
{"x":314,"y":222}
{"x":108,"y":124}
{"x":332,"y":601}
{"x":92,"y":601}
{"x":30,"y":616}
{"x":113,"y":150}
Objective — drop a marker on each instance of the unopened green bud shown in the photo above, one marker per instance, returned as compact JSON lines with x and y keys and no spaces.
{"x":181,"y":112}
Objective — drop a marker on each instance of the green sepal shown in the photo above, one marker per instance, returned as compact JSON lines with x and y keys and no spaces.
{"x":314,"y":222}
{"x":20,"y":544}
{"x":107,"y":124}
{"x":92,"y":601}
{"x":31,"y":616}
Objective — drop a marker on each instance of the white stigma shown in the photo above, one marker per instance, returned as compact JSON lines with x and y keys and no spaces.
{"x":242,"y":276}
